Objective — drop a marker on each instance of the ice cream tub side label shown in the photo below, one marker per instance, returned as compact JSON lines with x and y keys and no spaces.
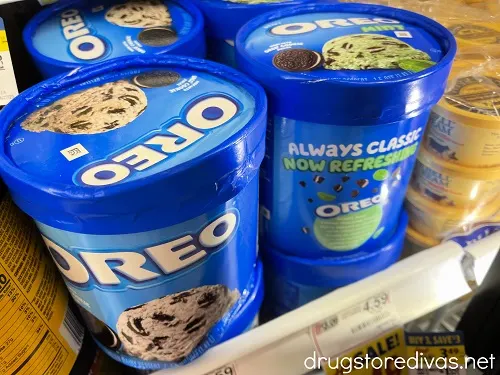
{"x":336,"y":190}
{"x":40,"y":334}
{"x":344,"y":46}
{"x":164,"y":295}
{"x":106,"y":29}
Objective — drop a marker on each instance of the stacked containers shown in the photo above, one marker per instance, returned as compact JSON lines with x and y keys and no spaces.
{"x":149,"y":211}
{"x":456,"y":182}
{"x":223,"y":19}
{"x":75,"y":33}
{"x":350,"y":88}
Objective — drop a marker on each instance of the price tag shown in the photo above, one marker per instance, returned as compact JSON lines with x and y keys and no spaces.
{"x":8,"y":84}
{"x":435,"y":353}
{"x":354,"y":325}
{"x":378,"y":356}
{"x":225,"y":370}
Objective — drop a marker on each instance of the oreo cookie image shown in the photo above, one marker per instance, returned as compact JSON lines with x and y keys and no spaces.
{"x":297,"y":60}
{"x":157,"y":78}
{"x":158,"y":36}
{"x":171,"y":327}
{"x":101,"y":332}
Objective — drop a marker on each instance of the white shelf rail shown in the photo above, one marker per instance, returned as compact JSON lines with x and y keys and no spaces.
{"x":415,"y":286}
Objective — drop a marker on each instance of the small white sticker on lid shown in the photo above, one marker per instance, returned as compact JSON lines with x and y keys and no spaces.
{"x":403,"y":34}
{"x":74,"y":152}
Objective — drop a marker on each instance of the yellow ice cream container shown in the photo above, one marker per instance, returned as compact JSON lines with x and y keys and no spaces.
{"x":464,"y":128}
{"x":416,"y":242}
{"x":474,"y":32}
{"x":451,"y":184}
{"x":437,"y":221}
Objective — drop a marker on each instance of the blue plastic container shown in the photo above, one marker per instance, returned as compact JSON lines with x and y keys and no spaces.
{"x":145,"y":205}
{"x":246,"y":317}
{"x":75,"y":33}
{"x":223,"y":19}
{"x":291,"y":282}
{"x":345,"y":125}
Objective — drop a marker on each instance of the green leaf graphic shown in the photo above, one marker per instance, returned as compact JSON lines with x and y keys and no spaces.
{"x":415,"y":66}
{"x":326,"y":197}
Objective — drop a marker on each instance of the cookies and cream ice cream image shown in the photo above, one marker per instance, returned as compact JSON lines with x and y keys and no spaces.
{"x":169,"y":328}
{"x":95,"y":110}
{"x":140,"y":14}
{"x":145,"y":201}
{"x":83,"y":32}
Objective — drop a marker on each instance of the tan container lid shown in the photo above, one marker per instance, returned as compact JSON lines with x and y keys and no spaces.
{"x":473,"y":95}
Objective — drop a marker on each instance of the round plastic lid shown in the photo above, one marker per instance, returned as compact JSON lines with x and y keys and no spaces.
{"x":473,"y":96}
{"x":472,"y":213}
{"x":456,"y":170}
{"x":85,"y":32}
{"x":374,"y":64}
{"x":225,"y":17}
{"x":133,"y":134}
{"x":419,"y":239}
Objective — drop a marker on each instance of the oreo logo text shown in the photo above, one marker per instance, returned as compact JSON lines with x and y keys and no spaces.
{"x":195,"y":122}
{"x":332,"y":210}
{"x":83,"y":45}
{"x":306,"y":27}
{"x":146,"y":264}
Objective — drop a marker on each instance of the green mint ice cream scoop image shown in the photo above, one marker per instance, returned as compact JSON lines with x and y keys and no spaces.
{"x":368,"y":51}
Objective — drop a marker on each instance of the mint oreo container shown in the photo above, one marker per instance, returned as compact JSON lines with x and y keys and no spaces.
{"x":291,"y":281}
{"x":350,"y":87}
{"x":76,"y":33}
{"x":149,"y":210}
{"x":223,"y":19}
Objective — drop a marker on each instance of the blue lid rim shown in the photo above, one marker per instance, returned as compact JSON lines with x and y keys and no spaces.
{"x":237,"y":159}
{"x":335,"y":271}
{"x":32,"y":26}
{"x":235,"y":15}
{"x":402,"y":87}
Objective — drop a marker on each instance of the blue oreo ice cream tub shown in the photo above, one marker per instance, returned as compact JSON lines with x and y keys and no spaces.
{"x":223,"y":19}
{"x":149,"y":209}
{"x":75,"y":33}
{"x":291,"y":281}
{"x":350,"y":88}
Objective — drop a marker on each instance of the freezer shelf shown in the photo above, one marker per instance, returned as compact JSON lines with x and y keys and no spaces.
{"x":340,"y":320}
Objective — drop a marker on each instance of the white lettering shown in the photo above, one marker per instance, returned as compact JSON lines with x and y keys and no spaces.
{"x":83,"y":45}
{"x":332,"y":210}
{"x":141,"y":157}
{"x":109,"y":174}
{"x":211,"y":112}
{"x":74,"y":31}
{"x":96,"y":48}
{"x":209,"y":238}
{"x":76,"y":272}
{"x":306,"y":27}
{"x":71,"y":21}
{"x":131,"y":267}
{"x":205,"y":114}
{"x":293,"y":28}
{"x":170,"y":144}
{"x":169,"y":260}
